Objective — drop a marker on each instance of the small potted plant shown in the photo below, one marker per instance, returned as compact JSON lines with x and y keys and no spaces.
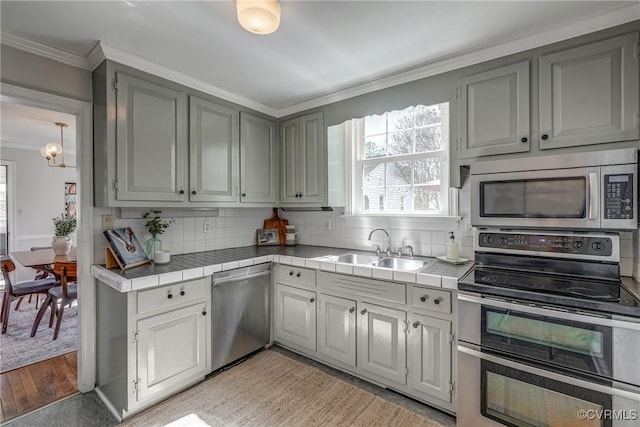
{"x":155,"y":226}
{"x":64,"y":225}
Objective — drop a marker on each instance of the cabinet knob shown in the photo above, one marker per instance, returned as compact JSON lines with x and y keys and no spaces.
{"x":545,"y":137}
{"x":312,"y":299}
{"x":298,"y":274}
{"x":524,"y":139}
{"x":291,"y":273}
{"x":170,"y":296}
{"x":244,"y":195}
{"x":181,"y":293}
{"x":416,"y":324}
{"x":352,"y":309}
{"x":424,"y":298}
{"x":437,"y":301}
{"x":181,"y":191}
{"x":364,"y":311}
{"x":193,"y":192}
{"x":204,"y":312}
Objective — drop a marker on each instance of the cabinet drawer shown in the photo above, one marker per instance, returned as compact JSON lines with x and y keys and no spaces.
{"x":172,"y":295}
{"x":295,"y":275}
{"x":387,"y":291}
{"x":431,"y":299}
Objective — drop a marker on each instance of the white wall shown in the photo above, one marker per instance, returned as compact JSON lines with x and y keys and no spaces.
{"x":39,"y":197}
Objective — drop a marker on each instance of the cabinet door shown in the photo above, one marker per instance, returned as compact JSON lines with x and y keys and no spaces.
{"x":257,"y":159}
{"x":312,"y":159}
{"x":494,"y":112}
{"x":296,"y":316}
{"x":171,"y":349}
{"x":337,"y":328}
{"x":431,"y":356}
{"x":382,"y":342}
{"x":289,"y":164}
{"x":589,"y":94}
{"x":150,"y":141}
{"x":213,"y":160}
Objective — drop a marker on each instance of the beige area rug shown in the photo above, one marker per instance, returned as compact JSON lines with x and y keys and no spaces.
{"x":273,"y":390}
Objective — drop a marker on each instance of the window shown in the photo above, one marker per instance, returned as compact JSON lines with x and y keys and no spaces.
{"x":401,"y":160}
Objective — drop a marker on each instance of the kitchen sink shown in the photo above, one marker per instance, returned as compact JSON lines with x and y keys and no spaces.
{"x":357,"y":259}
{"x":400,"y":264}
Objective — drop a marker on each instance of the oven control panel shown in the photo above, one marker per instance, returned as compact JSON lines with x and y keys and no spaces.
{"x":566,"y":244}
{"x":618,"y":196}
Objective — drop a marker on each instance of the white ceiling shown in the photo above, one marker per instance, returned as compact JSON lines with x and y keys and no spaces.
{"x":321,"y":49}
{"x":32,"y":128}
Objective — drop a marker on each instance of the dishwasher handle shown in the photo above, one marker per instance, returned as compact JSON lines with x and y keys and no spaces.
{"x":219,"y":282}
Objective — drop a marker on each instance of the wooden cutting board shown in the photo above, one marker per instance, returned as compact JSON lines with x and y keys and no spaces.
{"x":278,"y":223}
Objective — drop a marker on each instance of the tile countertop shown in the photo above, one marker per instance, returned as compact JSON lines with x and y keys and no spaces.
{"x":201,"y":264}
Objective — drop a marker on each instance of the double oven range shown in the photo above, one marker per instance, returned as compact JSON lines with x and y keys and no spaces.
{"x":548,"y":334}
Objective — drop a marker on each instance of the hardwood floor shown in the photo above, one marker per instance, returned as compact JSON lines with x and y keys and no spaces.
{"x":34,"y":386}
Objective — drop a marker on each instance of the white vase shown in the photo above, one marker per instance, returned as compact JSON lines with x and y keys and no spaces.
{"x":61,"y":245}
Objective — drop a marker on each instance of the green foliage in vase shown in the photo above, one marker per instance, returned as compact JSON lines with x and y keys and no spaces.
{"x":64,"y":225}
{"x":156,"y":225}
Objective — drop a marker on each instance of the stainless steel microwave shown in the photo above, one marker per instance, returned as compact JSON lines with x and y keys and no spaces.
{"x":595,"y":190}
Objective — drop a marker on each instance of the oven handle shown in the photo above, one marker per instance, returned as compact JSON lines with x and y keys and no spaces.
{"x":551,"y":375}
{"x":593,"y":191}
{"x":562,"y":315}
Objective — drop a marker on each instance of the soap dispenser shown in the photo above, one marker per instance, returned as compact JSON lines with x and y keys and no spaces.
{"x":453,"y":250}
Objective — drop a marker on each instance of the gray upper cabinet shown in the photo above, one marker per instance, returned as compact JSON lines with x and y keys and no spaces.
{"x":303,"y":170}
{"x":213,"y":152}
{"x":257,"y":159}
{"x":494,"y":112}
{"x":589,"y":94}
{"x":150,"y":141}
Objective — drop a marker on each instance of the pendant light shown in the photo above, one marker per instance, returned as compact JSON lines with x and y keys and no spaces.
{"x":54,"y":151}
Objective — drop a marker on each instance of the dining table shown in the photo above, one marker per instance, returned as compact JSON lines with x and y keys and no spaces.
{"x":42,"y":259}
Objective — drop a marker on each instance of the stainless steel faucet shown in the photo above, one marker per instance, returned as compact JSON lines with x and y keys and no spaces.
{"x":388,"y":238}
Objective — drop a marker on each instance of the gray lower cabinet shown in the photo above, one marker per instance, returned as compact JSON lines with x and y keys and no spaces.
{"x":150,"y":141}
{"x":391,"y":333}
{"x":493,"y":109}
{"x":589,"y":94}
{"x":151,"y":343}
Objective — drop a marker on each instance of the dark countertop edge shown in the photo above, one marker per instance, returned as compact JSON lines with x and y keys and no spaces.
{"x":221,"y":256}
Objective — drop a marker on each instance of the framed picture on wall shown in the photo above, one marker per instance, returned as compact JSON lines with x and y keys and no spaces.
{"x":71,"y":199}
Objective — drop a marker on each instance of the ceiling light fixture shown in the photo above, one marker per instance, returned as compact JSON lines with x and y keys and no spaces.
{"x":259,"y":16}
{"x":52,"y":150}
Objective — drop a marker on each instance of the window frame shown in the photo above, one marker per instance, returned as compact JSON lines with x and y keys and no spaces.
{"x":357,"y":163}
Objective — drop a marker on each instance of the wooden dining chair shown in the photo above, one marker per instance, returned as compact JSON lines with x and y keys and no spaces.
{"x":40,"y":274}
{"x":60,"y":296}
{"x":19,"y":290}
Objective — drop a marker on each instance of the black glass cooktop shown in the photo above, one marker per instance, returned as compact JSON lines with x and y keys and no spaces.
{"x":571,"y":292}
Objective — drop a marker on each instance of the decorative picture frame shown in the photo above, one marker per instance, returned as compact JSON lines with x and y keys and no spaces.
{"x":71,"y":199}
{"x":124,"y":249}
{"x":268,"y":237}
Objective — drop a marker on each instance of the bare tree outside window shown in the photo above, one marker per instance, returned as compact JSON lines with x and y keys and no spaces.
{"x":403,"y":159}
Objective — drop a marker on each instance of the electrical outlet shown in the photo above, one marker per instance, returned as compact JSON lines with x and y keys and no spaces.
{"x":468,"y":228}
{"x":328,"y":225}
{"x":107,"y":222}
{"x":206,"y":227}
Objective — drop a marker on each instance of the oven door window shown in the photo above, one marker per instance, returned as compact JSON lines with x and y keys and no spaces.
{"x":516,"y":398}
{"x":569,"y":344}
{"x":534,"y":198}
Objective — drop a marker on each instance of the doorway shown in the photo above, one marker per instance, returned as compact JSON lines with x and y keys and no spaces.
{"x":82,"y":362}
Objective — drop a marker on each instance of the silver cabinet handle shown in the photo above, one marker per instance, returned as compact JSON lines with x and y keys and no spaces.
{"x":416,"y":324}
{"x":352,"y":309}
{"x":364,"y":311}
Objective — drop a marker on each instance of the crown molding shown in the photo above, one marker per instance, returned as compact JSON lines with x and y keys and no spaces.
{"x":136,"y":61}
{"x":18,"y":42}
{"x":619,"y":16}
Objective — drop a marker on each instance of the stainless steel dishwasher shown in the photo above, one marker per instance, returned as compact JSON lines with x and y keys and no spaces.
{"x":240,"y":320}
